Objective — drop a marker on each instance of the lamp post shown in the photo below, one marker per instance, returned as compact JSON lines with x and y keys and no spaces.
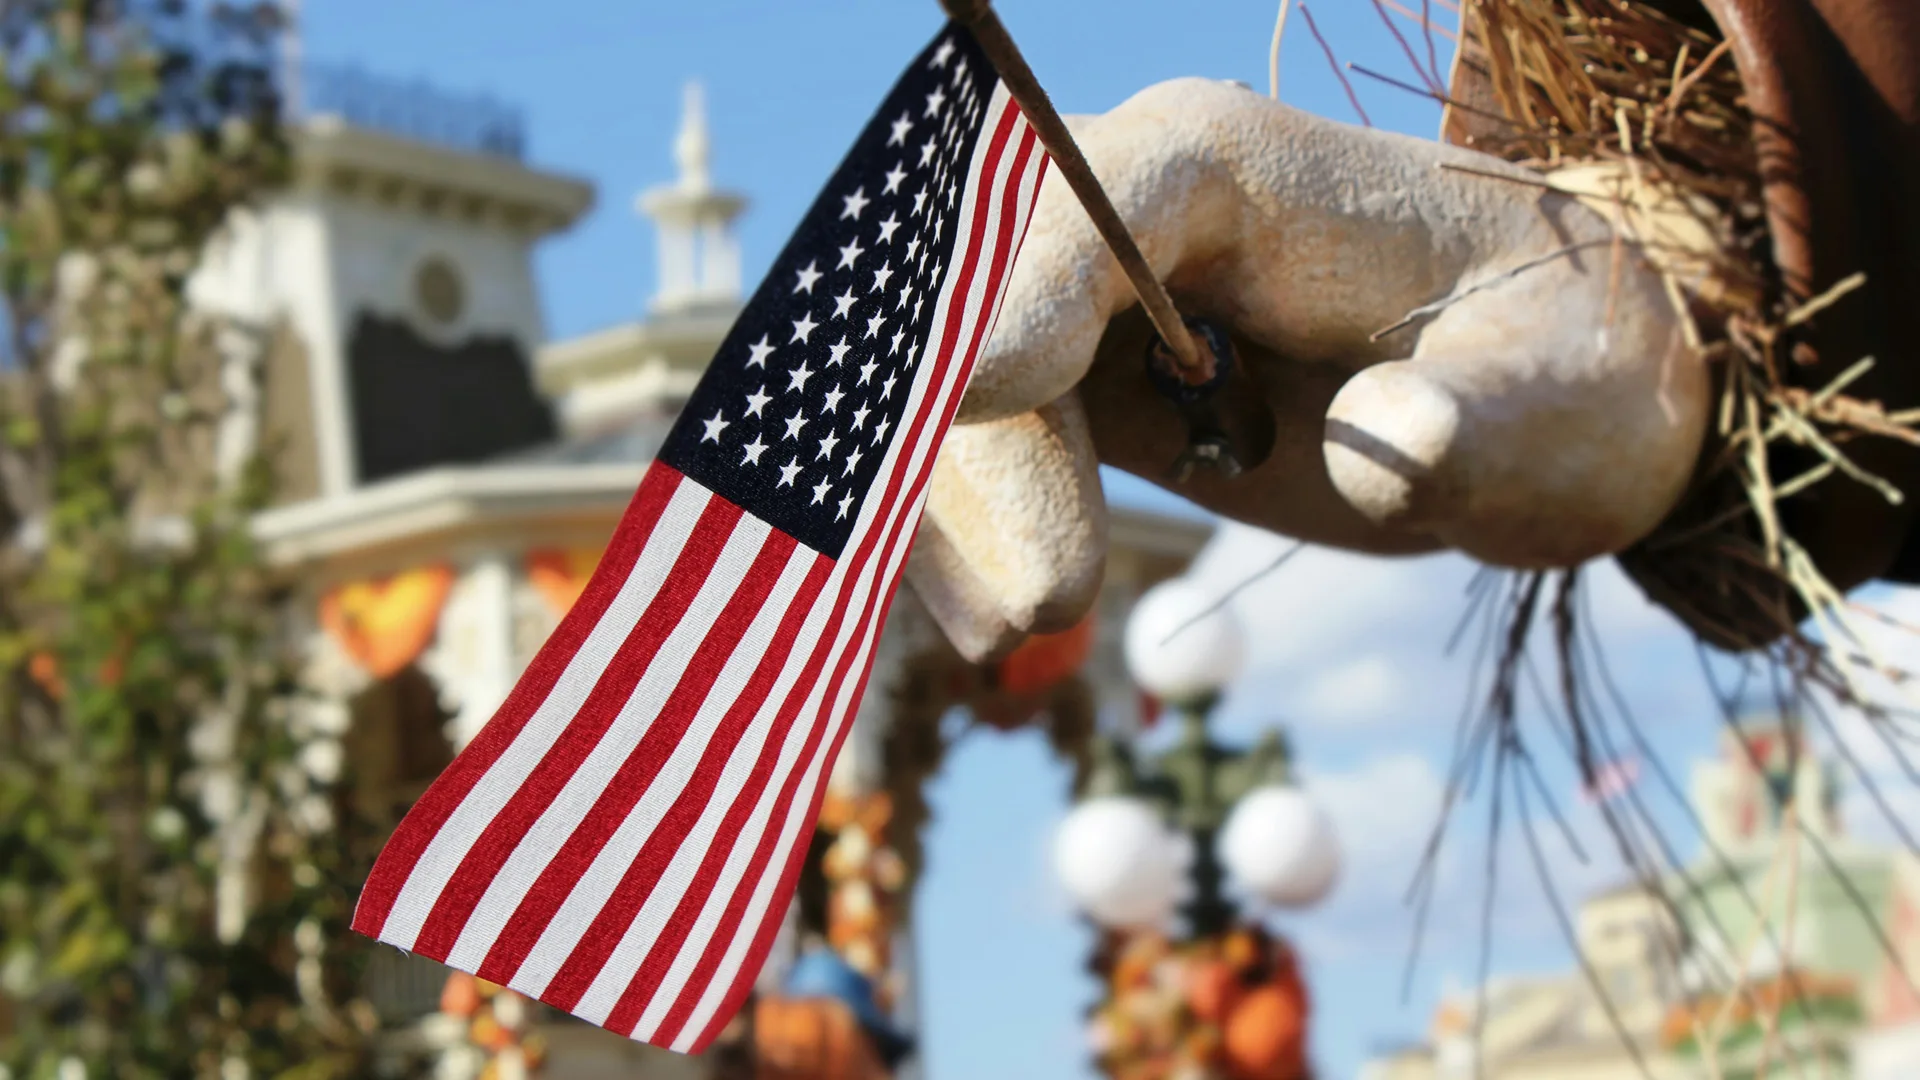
{"x":1155,"y":837}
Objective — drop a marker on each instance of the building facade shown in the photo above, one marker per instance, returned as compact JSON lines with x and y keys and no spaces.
{"x":1785,"y":947}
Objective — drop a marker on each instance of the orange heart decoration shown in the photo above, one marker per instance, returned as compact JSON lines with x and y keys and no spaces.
{"x":561,"y":574}
{"x":386,"y":623}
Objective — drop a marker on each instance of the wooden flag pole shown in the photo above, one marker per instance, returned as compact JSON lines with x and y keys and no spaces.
{"x":1195,"y":365}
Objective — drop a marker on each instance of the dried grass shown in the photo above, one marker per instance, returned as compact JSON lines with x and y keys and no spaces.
{"x":1643,"y":116}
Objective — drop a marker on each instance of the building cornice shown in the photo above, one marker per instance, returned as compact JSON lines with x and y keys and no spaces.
{"x":335,"y":156}
{"x":431,"y":504}
{"x":439,"y":503}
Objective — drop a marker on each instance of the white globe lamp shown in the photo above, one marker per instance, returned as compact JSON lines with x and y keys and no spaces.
{"x":1121,"y":863}
{"x":1280,"y":846}
{"x":1183,"y":646}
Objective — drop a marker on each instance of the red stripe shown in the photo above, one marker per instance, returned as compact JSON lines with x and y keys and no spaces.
{"x":409,"y":841}
{"x":489,"y":852}
{"x":610,"y":923}
{"x":1006,"y":247}
{"x":624,"y":790}
{"x":715,"y":948}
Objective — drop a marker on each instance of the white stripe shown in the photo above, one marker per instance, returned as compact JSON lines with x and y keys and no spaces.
{"x":596,"y":771}
{"x":591,"y":893}
{"x":858,"y":634}
{"x":900,"y":456}
{"x":490,"y":794}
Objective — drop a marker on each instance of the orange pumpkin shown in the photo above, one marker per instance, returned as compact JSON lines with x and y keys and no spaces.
{"x":1265,"y":1037}
{"x":461,"y":996}
{"x":1045,"y":660}
{"x":489,"y":1034}
{"x":1213,"y":989}
{"x":1134,"y":969}
{"x":836,"y":811}
{"x":876,"y":810}
{"x":45,"y":670}
{"x":534,"y":1053}
{"x":811,"y":1039}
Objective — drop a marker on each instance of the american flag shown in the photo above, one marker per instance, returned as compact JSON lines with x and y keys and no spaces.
{"x":622,"y":839}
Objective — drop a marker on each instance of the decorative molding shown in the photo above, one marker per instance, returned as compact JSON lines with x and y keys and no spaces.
{"x":360,"y":163}
{"x":424,"y":506}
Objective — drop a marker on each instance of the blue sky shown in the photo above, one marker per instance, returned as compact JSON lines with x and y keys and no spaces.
{"x":1348,"y":651}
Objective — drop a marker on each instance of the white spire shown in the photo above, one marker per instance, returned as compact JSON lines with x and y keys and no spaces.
{"x":699,"y":255}
{"x":692,"y":148}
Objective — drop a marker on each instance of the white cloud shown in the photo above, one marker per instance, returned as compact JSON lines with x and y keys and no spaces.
{"x":1382,"y":812}
{"x":1363,"y":690}
{"x":1322,"y":601}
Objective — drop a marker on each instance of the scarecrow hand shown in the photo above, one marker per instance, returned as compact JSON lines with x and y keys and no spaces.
{"x":1534,"y":403}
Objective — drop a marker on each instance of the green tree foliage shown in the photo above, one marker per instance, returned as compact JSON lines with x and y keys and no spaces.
{"x":171,"y":900}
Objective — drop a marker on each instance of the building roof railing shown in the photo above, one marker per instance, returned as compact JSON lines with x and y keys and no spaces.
{"x":474,"y":123}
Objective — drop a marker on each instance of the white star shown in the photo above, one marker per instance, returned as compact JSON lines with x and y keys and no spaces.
{"x":880,"y":277}
{"x":788,"y":471}
{"x":943,"y":54}
{"x":754,"y":450}
{"x":802,"y":327}
{"x":893,"y":179}
{"x":853,"y":462}
{"x":854,"y":203}
{"x":794,"y":424}
{"x":880,"y":432}
{"x":919,"y":200}
{"x":850,"y":254}
{"x":715,"y":426}
{"x":936,"y":101}
{"x":866,"y":371}
{"x":887,"y":228}
{"x":927,"y":150}
{"x":900,"y":129}
{"x":799,"y":375}
{"x":916,"y":307}
{"x":886,"y":388}
{"x":845,"y":501}
{"x":960,"y":72}
{"x":843,"y":304}
{"x":761,"y":350}
{"x":895,"y":347}
{"x":860,"y":417}
{"x":906,"y":293}
{"x":820,"y":492}
{"x":807,"y":277}
{"x":757,"y":401}
{"x":874,"y":324}
{"x":833,"y":398}
{"x":827,"y":444}
{"x":913,"y":246}
{"x":839,"y":349}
